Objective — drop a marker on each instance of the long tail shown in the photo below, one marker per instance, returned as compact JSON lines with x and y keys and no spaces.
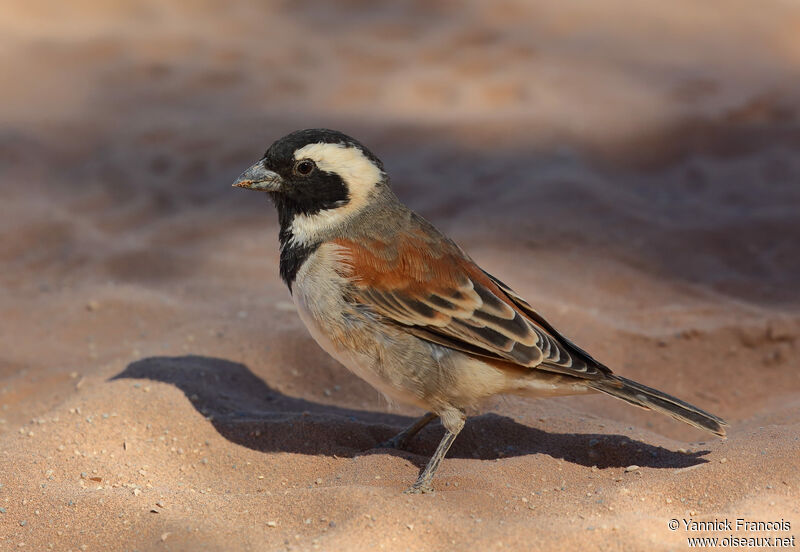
{"x":652,"y":399}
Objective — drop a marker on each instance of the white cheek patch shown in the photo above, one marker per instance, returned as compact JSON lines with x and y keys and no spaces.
{"x":356,"y":169}
{"x":359,"y":174}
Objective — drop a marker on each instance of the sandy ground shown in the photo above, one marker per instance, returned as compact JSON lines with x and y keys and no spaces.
{"x":630,"y":168}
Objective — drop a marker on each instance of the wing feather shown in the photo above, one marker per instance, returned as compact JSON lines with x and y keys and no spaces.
{"x":430,"y":287}
{"x":571,"y":355}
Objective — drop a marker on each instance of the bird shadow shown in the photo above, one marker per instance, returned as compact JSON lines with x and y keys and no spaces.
{"x":246,"y":411}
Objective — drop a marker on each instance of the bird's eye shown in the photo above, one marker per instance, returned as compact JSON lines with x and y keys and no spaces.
{"x":304,"y":167}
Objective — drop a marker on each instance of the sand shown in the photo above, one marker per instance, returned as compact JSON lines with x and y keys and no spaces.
{"x":630,"y":169}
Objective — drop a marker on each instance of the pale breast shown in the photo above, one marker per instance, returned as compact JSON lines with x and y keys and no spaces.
{"x":351,"y":335}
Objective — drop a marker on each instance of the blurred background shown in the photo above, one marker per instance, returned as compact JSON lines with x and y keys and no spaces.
{"x":630,"y":167}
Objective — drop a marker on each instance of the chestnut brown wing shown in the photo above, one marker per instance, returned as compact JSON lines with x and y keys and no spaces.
{"x":437,"y":293}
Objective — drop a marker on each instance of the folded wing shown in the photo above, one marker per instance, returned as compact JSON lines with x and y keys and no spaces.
{"x":437,"y":293}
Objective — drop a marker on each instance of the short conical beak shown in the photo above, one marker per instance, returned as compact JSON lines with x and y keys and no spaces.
{"x":259,"y":178}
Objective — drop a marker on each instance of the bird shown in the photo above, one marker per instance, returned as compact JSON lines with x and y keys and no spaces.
{"x":403,"y":307}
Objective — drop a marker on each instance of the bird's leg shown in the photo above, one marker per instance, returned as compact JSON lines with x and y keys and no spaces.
{"x":453,"y":422}
{"x":400,"y":440}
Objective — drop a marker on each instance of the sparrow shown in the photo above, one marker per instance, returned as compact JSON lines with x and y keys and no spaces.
{"x":399,"y":304}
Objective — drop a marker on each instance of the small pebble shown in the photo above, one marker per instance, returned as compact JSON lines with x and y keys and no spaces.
{"x":272,"y":524}
{"x":632,"y":467}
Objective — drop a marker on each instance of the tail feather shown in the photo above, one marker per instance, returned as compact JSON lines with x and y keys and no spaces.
{"x":652,"y":399}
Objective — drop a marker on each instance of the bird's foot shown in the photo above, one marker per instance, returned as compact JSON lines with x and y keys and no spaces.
{"x":420,"y":488}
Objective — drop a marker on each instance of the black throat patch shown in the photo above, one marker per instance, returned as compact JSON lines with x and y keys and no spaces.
{"x":305,"y":197}
{"x":293,"y":254}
